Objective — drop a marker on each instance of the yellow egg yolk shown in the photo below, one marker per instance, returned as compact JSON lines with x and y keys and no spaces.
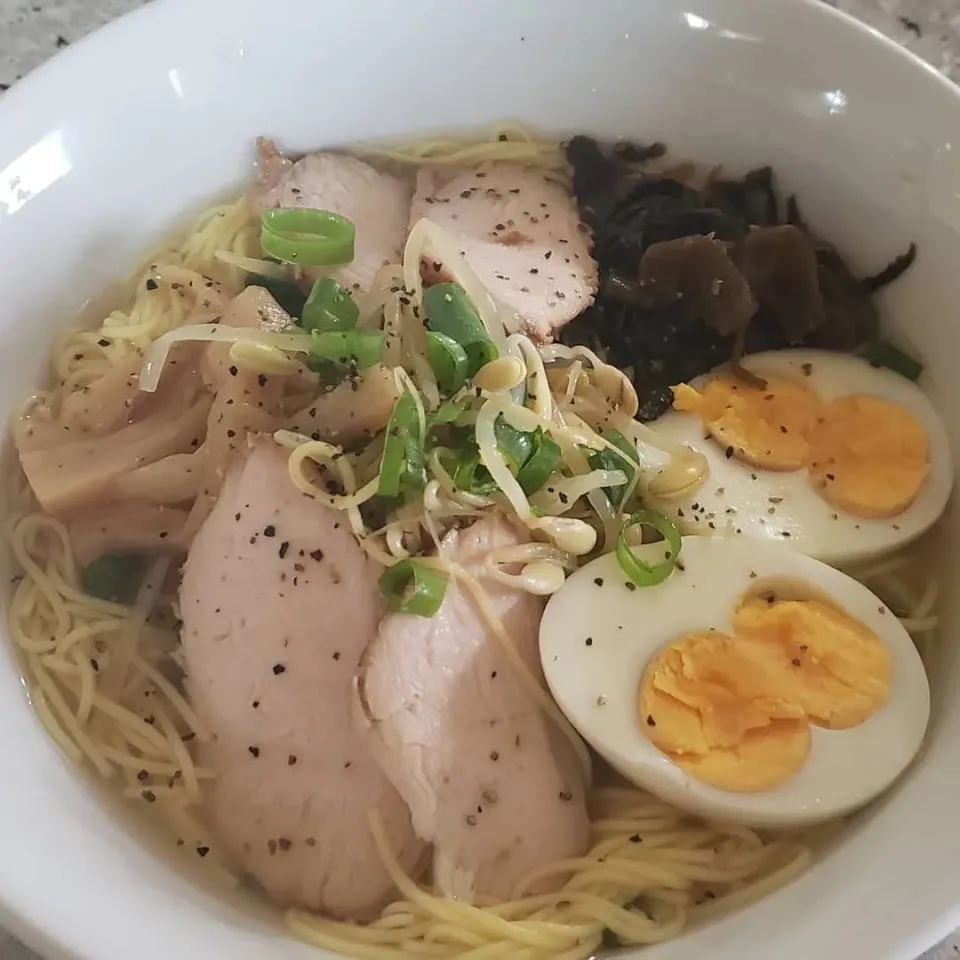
{"x":868,"y":456}
{"x":819,"y":658}
{"x":708,"y":704}
{"x":765,"y":427}
{"x":762,"y":760}
{"x":734,"y":711}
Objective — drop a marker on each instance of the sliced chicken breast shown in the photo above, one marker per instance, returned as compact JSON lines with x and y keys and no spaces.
{"x":489,"y":778}
{"x":278,"y":602}
{"x":377,"y":203}
{"x":521,"y":234}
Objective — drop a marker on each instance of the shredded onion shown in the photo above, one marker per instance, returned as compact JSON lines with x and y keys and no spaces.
{"x":386,"y":285}
{"x":393,"y":333}
{"x":395,"y":536}
{"x":261,"y":358}
{"x":601,"y":504}
{"x":538,"y":386}
{"x":563,"y":494}
{"x":156,"y":355}
{"x":266,"y":268}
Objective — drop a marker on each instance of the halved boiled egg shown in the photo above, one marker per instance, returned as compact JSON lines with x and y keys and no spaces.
{"x":842,"y":460}
{"x":754,"y":685}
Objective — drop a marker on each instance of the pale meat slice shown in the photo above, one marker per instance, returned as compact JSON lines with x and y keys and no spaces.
{"x":521,"y":234}
{"x":278,"y":602}
{"x":489,"y":778}
{"x":377,"y":203}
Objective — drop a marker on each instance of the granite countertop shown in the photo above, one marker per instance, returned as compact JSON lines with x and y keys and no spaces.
{"x":33,"y":30}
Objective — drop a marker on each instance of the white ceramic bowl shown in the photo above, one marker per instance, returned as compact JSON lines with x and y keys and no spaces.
{"x":107,"y":148}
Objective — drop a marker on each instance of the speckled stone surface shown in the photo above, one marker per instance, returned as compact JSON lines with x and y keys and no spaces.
{"x":33,"y":30}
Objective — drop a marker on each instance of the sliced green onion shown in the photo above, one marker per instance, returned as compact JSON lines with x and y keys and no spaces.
{"x":472,"y":477}
{"x":114,"y":577}
{"x":402,"y":463}
{"x":310,"y":238}
{"x":515,"y":445}
{"x":532,"y":457}
{"x":331,"y":374}
{"x":450,"y":312}
{"x":329,"y":307}
{"x":645,"y":574}
{"x":351,"y":347}
{"x":882,"y":353}
{"x":606,"y":459}
{"x":541,"y":464}
{"x":480,"y":354}
{"x":448,"y":360}
{"x":447,"y":412}
{"x":285,"y":292}
{"x":412,"y":587}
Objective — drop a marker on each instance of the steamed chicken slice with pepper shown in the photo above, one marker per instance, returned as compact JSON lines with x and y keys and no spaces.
{"x":377,"y":203}
{"x":489,"y":779}
{"x":278,"y":602}
{"x":522,"y":235}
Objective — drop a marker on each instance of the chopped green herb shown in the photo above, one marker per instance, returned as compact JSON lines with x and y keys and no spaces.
{"x":329,"y":307}
{"x":114,"y":577}
{"x":450,"y":312}
{"x":882,"y":353}
{"x":287,"y":294}
{"x":606,"y":459}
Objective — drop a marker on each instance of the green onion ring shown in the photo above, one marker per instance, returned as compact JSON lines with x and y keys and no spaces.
{"x":450,"y":312}
{"x":362,"y":347}
{"x":310,"y":238}
{"x":402,"y":461}
{"x":412,"y":587}
{"x":449,"y":362}
{"x":541,"y":463}
{"x":644,"y":574}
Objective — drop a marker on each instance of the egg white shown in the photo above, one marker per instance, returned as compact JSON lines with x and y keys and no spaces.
{"x":597,"y":685}
{"x":738,"y":499}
